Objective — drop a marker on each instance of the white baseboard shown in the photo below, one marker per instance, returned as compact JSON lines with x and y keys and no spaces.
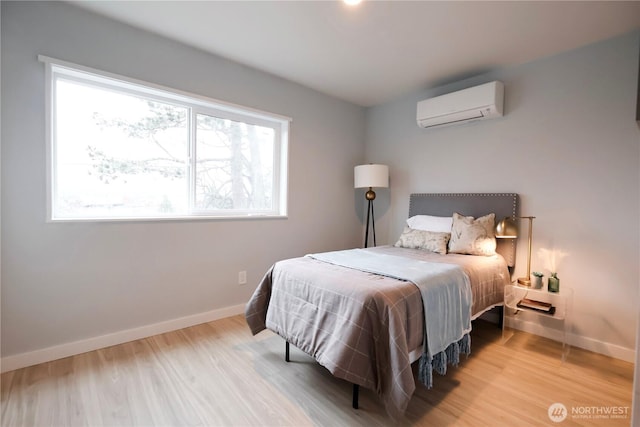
{"x":608,"y":349}
{"x":22,"y":360}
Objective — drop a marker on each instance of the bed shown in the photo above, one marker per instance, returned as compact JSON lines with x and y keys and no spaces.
{"x":361,"y":313}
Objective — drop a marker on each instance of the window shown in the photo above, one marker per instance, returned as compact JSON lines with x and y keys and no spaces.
{"x":121,"y":149}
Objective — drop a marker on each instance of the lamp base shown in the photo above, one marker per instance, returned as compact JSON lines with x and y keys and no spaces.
{"x":523,"y":281}
{"x":370,"y":195}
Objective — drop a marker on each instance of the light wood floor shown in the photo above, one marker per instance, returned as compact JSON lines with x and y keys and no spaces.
{"x":218,"y":374}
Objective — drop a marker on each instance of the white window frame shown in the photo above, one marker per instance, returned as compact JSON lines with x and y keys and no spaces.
{"x":195,"y":104}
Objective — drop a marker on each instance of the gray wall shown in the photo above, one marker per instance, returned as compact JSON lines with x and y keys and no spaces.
{"x":569,"y":145}
{"x":67,"y":282}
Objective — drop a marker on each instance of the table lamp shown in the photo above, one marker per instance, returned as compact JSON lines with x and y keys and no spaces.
{"x":507,"y":229}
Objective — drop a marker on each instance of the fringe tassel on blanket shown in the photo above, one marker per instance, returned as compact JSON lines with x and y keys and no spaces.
{"x":439,"y":362}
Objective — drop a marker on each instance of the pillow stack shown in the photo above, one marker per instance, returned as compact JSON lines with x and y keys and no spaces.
{"x":458,"y":234}
{"x":430,"y":233}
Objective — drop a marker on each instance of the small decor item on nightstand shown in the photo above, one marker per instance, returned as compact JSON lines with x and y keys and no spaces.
{"x":536,"y":280}
{"x":554,"y":283}
{"x":551,"y":258}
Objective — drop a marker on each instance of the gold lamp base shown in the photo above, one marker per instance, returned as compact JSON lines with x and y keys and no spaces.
{"x":370,"y":195}
{"x":523,"y":281}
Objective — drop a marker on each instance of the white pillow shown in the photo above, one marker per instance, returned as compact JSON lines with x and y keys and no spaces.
{"x":439,"y":224}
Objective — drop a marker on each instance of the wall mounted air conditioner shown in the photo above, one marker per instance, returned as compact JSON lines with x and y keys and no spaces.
{"x":475,"y":103}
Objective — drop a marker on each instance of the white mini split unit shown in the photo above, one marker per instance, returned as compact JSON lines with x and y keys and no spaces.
{"x":475,"y":103}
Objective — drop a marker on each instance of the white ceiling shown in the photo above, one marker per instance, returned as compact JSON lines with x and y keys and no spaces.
{"x":378,"y":50}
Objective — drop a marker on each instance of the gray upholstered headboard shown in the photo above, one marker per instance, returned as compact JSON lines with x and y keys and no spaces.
{"x":470,"y":204}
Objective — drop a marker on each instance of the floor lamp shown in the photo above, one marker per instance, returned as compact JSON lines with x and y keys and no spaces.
{"x":370,"y":176}
{"x":507,"y":229}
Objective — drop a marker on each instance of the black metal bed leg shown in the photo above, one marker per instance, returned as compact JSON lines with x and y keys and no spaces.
{"x":356,"y":392}
{"x":500,"y":316}
{"x":356,"y":387}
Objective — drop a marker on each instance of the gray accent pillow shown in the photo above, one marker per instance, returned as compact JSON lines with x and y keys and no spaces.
{"x":419,"y":239}
{"x":473,"y":236}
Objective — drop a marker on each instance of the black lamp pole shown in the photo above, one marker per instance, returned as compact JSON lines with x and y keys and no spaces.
{"x":370,"y":196}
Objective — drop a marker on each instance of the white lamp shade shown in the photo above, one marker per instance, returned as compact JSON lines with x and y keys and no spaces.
{"x":366,"y":176}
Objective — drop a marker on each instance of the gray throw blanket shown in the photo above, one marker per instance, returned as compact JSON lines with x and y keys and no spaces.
{"x":446,"y":297}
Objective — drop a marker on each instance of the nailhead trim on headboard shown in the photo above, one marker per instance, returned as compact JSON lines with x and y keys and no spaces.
{"x":503,"y":205}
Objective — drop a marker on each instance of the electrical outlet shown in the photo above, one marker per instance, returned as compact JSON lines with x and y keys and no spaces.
{"x":242,"y":278}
